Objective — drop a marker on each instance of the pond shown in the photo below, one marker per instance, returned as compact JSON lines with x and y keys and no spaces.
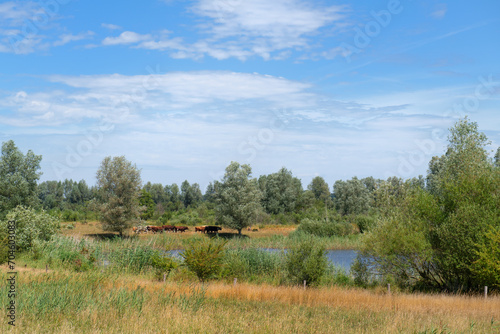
{"x":340,"y":258}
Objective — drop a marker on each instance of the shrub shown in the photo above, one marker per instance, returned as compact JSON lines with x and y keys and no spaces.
{"x":325,"y":228}
{"x":162,"y":265}
{"x":306,"y":262}
{"x":31,"y":226}
{"x":204,"y":257}
{"x":365,"y":223}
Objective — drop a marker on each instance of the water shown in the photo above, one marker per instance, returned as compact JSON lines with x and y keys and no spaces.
{"x":339,"y":258}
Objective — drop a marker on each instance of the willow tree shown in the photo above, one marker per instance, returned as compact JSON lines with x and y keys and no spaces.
{"x":238,"y":198}
{"x":119,"y":184}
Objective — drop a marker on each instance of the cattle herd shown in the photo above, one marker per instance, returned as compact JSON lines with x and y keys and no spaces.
{"x":171,"y":228}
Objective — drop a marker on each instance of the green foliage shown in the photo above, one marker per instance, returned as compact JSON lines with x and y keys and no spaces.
{"x":31,"y":226}
{"x":434,"y":238}
{"x":281,"y":191}
{"x":146,"y":201}
{"x":253,"y":264}
{"x":319,"y":188}
{"x":119,"y":183}
{"x":238,"y":198}
{"x":324,"y":228}
{"x":306,"y":262}
{"x":18,"y":177}
{"x":204,"y":257}
{"x":487,"y":265}
{"x":352,"y":197}
{"x":4,"y":248}
{"x":162,"y":265}
{"x":364,"y":222}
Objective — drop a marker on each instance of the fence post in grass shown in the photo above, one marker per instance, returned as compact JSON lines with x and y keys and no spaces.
{"x":304,"y":284}
{"x":388,"y":288}
{"x":485,"y":292}
{"x":164,"y":277}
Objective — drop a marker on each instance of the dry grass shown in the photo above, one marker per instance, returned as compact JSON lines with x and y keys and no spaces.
{"x":245,"y":308}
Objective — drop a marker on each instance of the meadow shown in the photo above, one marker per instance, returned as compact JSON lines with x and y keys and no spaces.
{"x":87,"y":281}
{"x":59,"y":301}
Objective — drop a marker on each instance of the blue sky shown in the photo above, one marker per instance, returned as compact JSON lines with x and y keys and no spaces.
{"x":182,"y":88}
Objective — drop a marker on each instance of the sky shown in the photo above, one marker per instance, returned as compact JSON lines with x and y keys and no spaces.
{"x":181,"y":88}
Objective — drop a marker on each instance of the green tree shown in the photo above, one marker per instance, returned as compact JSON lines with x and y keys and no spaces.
{"x":281,"y":191}
{"x":497,"y":158}
{"x":18,"y":178}
{"x":320,"y":189}
{"x":352,"y":197}
{"x":238,"y":198}
{"x":146,"y":201}
{"x":435,"y":238}
{"x":119,"y":183}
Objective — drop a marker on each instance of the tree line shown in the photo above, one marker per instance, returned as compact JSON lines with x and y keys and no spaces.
{"x":441,"y":231}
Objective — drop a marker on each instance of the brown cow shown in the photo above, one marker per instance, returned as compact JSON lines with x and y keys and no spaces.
{"x":199,"y":229}
{"x":212,"y":229}
{"x":168,"y":228}
{"x":156,"y":229}
{"x":181,"y":228}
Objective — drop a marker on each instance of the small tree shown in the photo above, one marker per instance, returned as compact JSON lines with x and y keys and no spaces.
{"x":306,"y":262}
{"x":238,"y":198}
{"x":119,"y":183}
{"x":204,"y":257}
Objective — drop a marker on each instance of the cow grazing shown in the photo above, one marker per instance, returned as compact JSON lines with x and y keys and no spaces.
{"x":169,"y":228}
{"x":157,"y":229}
{"x":181,"y":228}
{"x":199,"y":229}
{"x":212,"y":229}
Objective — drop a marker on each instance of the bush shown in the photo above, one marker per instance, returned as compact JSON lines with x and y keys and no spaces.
{"x":325,"y":228}
{"x":31,"y":226}
{"x":162,"y":265}
{"x":306,"y":262}
{"x":204,"y":257}
{"x":365,"y":223}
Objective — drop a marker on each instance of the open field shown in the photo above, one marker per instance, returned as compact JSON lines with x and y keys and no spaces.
{"x":67,"y":302}
{"x":268,"y":236}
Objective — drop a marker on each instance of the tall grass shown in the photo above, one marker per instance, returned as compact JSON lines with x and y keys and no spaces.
{"x":92,"y":302}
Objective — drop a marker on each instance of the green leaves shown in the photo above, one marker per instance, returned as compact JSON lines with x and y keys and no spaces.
{"x":204,"y":257}
{"x":119,"y":184}
{"x":306,"y":262}
{"x":238,"y":198}
{"x":18,"y":177}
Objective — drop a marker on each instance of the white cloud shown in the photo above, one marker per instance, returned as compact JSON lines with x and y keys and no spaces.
{"x":111,"y":26}
{"x":126,"y":37}
{"x":67,"y":38}
{"x":241,"y":29}
{"x":440,"y":11}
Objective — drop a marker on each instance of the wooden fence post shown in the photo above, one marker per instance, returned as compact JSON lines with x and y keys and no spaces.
{"x":485,"y":292}
{"x":164,"y":277}
{"x":388,"y":288}
{"x":304,"y":284}
{"x":234,"y":281}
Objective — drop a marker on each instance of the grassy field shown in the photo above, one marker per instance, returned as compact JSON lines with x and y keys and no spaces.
{"x":68,"y":302}
{"x":275,"y":236}
{"x":80,"y":295}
